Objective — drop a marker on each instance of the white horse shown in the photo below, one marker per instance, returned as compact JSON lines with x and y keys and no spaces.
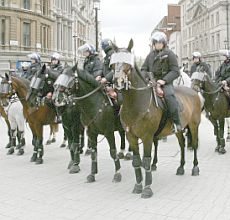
{"x":17,"y":124}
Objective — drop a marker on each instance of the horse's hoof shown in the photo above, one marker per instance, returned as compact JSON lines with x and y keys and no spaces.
{"x":138,"y":188}
{"x":128,"y":156}
{"x":39,"y":161}
{"x":222,"y":150}
{"x":53,"y":140}
{"x":62,"y":145}
{"x":195,"y":171}
{"x":217,"y":149}
{"x":20,"y":152}
{"x":48,"y":142}
{"x":121,"y":155}
{"x":10,"y":151}
{"x":70,"y":164}
{"x":146,"y":193}
{"x":228,"y":138}
{"x":74,"y":169}
{"x":33,"y":158}
{"x":117,"y":178}
{"x":88,"y":152}
{"x":180,"y":171}
{"x":91,"y":178}
{"x":153,"y":167}
{"x":8,"y":145}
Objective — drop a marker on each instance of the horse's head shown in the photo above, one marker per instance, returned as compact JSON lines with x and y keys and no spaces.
{"x":198,"y":80}
{"x":64,"y":86}
{"x":6,"y":90}
{"x":122,"y":62}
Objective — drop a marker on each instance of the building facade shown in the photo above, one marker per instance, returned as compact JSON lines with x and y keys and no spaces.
{"x":171,"y":26}
{"x":44,"y":26}
{"x":204,"y":28}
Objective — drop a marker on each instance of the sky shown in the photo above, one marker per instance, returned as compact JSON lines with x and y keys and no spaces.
{"x":126,"y":19}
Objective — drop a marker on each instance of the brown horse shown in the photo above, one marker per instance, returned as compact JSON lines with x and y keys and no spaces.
{"x":142,"y":117}
{"x":36,"y":117}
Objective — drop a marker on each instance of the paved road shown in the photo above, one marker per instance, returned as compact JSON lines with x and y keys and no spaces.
{"x":48,"y":191}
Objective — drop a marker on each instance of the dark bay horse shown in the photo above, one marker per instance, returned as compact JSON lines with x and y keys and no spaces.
{"x":141,"y":117}
{"x":36,"y":117}
{"x":40,"y":86}
{"x":97,"y":113}
{"x":216,"y":104}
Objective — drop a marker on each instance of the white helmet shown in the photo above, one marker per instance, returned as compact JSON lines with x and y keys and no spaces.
{"x":196,"y":54}
{"x":159,"y":37}
{"x":55,"y":56}
{"x":87,"y":47}
{"x":25,"y":65}
{"x":35,"y":56}
{"x":225,"y":53}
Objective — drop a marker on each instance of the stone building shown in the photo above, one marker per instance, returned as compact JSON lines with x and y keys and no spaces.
{"x":204,"y":28}
{"x":44,"y":26}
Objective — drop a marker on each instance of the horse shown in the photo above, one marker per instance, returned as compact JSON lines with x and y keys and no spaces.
{"x":216,"y":104}
{"x":97,"y":113}
{"x":36,"y":117}
{"x":143,"y":118}
{"x":73,"y":129}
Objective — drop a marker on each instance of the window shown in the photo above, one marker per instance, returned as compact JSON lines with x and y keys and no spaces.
{"x":217,"y":18}
{"x":26,"y":34}
{"x":44,"y":37}
{"x":2,"y":2}
{"x":212,"y":20}
{"x":218,"y":41}
{"x":2,"y":31}
{"x":26,"y":4}
{"x":44,"y":7}
{"x":213,"y":42}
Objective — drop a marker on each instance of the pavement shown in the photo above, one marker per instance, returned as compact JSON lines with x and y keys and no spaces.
{"x":48,"y":191}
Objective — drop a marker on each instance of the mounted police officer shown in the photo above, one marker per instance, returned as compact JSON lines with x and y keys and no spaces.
{"x":222,"y":75}
{"x":92,"y":63}
{"x":198,"y":65}
{"x":162,"y":63}
{"x":35,"y":65}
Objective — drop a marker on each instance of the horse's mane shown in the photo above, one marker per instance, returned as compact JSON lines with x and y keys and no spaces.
{"x":25,"y":82}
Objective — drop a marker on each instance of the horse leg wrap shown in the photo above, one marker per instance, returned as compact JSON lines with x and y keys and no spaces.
{"x":21,"y":139}
{"x":113,"y":154}
{"x":94,"y":161}
{"x":222,"y":142}
{"x":148,"y":173}
{"x":40,"y":148}
{"x":137,"y":166}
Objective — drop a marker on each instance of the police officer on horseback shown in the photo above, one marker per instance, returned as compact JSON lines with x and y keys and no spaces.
{"x":162,"y":64}
{"x":92,"y":63}
{"x":35,"y":65}
{"x":222,"y":75}
{"x":198,"y":65}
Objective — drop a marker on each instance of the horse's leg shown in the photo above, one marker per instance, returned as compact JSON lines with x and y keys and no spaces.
{"x":228,"y":131}
{"x":39,"y":143}
{"x":121,"y":154}
{"x":20,"y":133}
{"x":49,"y":141}
{"x":13,"y":131}
{"x":92,"y":137}
{"x":221,"y":136}
{"x":181,"y":140}
{"x":81,"y":136}
{"x":55,"y":130}
{"x":4,"y":115}
{"x":113,"y":153}
{"x":147,"y":191}
{"x":194,"y":134}
{"x":75,"y":147}
{"x":155,"y":159}
{"x":216,"y":132}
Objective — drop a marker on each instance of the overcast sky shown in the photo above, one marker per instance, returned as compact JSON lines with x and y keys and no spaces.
{"x":125,"y":19}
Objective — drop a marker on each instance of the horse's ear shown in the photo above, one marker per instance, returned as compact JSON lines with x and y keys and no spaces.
{"x":115,"y":47}
{"x":7,"y":76}
{"x":43,"y":68}
{"x":130,"y":45}
{"x":74,"y":68}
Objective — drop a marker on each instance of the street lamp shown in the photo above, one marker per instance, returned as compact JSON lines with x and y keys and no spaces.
{"x":75,"y":48}
{"x":96,"y":6}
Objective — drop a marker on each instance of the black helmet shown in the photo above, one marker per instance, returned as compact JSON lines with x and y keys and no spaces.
{"x":106,"y":44}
